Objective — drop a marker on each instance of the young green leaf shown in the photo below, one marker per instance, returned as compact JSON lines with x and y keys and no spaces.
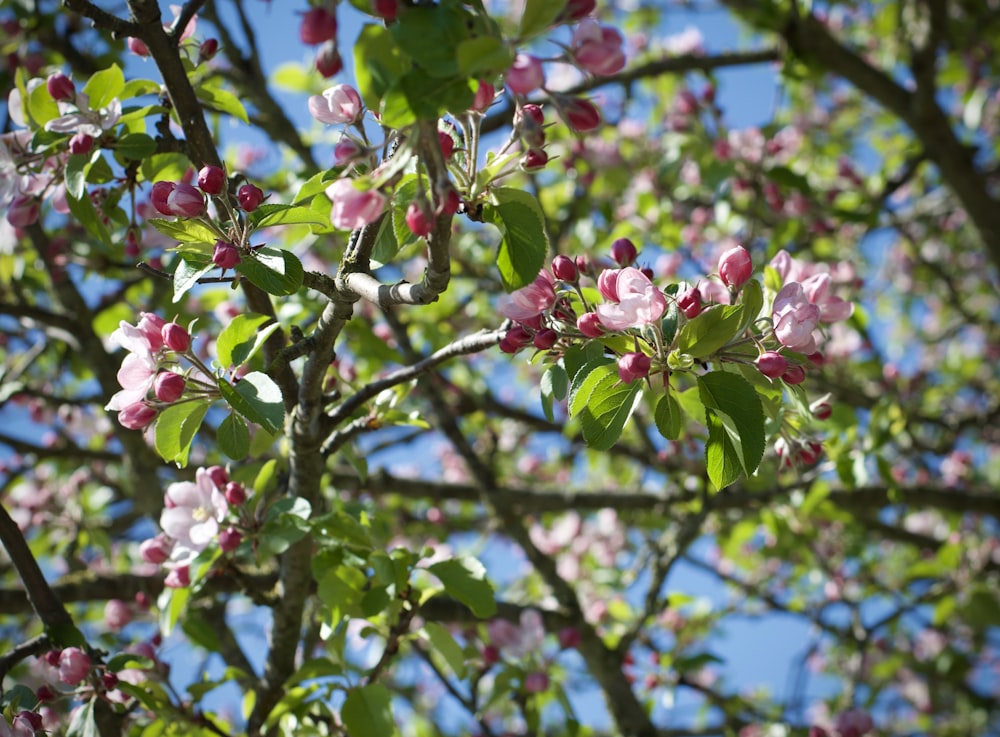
{"x":523,"y":241}
{"x":242,"y":338}
{"x":233,"y":437}
{"x":465,"y":579}
{"x":274,"y":270}
{"x":604,"y":404}
{"x":367,"y":712}
{"x":176,"y":427}
{"x":257,"y":398}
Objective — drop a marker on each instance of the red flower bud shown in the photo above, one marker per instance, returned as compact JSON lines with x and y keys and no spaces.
{"x":491,"y":654}
{"x":60,"y":87}
{"x":623,"y":252}
{"x":735,"y":267}
{"x":794,"y":375}
{"x":235,"y":493}
{"x":577,"y":9}
{"x":386,"y":9}
{"x":328,"y":61}
{"x":525,"y":74}
{"x":175,"y":337}
{"x":209,"y":48}
{"x":536,"y":682}
{"x":211,"y":180}
{"x":137,"y":47}
{"x":564,"y":268}
{"x":581,"y":115}
{"x":168,"y":386}
{"x":159,"y":195}
{"x":185,"y":201}
{"x":110,"y":681}
{"x":219,"y":476}
{"x":318,"y":25}
{"x":772,"y":364}
{"x":225,"y":255}
{"x":822,"y":411}
{"x":81,"y":143}
{"x":419,"y":219}
{"x":249,"y":197}
{"x":447,"y":144}
{"x":448,"y":201}
{"x":485,"y":94}
{"x":137,"y":416}
{"x":689,"y":303}
{"x":230,"y":539}
{"x":346,"y":151}
{"x":534,"y":160}
{"x":545,"y":339}
{"x":178,"y":578}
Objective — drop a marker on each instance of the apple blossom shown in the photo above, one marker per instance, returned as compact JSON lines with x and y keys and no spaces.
{"x":156,"y":550}
{"x":225,"y":255}
{"x":318,"y":25}
{"x":525,"y":74}
{"x":529,"y":301}
{"x":597,"y":49}
{"x":590,"y":325}
{"x":735,"y":267}
{"x":633,"y":366}
{"x":194,"y":520}
{"x":74,"y":665}
{"x":607,"y":284}
{"x":249,"y":197}
{"x":212,"y":180}
{"x":831,"y":307}
{"x":117,"y":614}
{"x":352,"y":207}
{"x":623,"y":251}
{"x":338,"y":104}
{"x":347,"y":150}
{"x":795,"y":318}
{"x":772,"y":364}
{"x":23,"y":211}
{"x":639,"y":302}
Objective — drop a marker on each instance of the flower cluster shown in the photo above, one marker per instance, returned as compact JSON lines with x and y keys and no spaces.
{"x":197,"y":514}
{"x":148,"y":375}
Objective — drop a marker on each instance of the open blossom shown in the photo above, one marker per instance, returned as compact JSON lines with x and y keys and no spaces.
{"x":831,"y":308}
{"x":78,"y":117}
{"x":338,"y":104}
{"x":194,"y":517}
{"x":795,"y":318}
{"x":353,"y":207}
{"x":143,"y":341}
{"x":527,"y":302}
{"x":639,"y":302}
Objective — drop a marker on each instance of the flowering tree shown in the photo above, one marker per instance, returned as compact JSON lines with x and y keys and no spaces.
{"x":420,"y":420}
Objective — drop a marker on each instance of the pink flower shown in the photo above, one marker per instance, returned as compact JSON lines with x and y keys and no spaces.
{"x":795,"y":318}
{"x":137,"y":416}
{"x":318,"y":25}
{"x":639,"y":302}
{"x":516,"y":640}
{"x":735,"y":267}
{"x":607,"y":284}
{"x":772,"y":364}
{"x":117,"y":614}
{"x":597,"y":49}
{"x":60,"y":87}
{"x":74,"y":665}
{"x":193,"y":520}
{"x":178,"y":578}
{"x":156,"y":550}
{"x":23,"y":211}
{"x":590,"y":325}
{"x":689,"y":303}
{"x":353,"y":207}
{"x":633,"y":366}
{"x":529,"y":301}
{"x":831,"y":308}
{"x":338,"y":104}
{"x":525,"y":74}
{"x":485,"y":94}
{"x":854,"y":723}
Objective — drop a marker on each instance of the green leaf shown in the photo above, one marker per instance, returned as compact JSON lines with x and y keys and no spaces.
{"x":710,"y":331}
{"x":287,"y":522}
{"x":734,"y":397}
{"x":136,"y":146}
{"x":604,"y":404}
{"x":445,"y":645}
{"x":83,"y":723}
{"x":378,"y":64}
{"x":242,"y":338}
{"x":276,"y":214}
{"x":104,"y":86}
{"x":523,"y":243}
{"x":185,"y":230}
{"x":257,"y":398}
{"x":83,"y":210}
{"x":41,"y":107}
{"x":233,"y":437}
{"x":486,"y":56}
{"x":667,"y":416}
{"x":721,"y":455}
{"x":223,"y":101}
{"x":752,"y":300}
{"x":465,"y":579}
{"x":538,"y":16}
{"x":292,"y":77}
{"x":76,"y":175}
{"x":367,"y":712}
{"x":274,"y":270}
{"x":554,"y":384}
{"x":430,"y":35}
{"x":187,"y":274}
{"x":580,"y":376}
{"x":176,"y":427}
{"x":139,"y":88}
{"x":165,"y":167}
{"x":121,"y":661}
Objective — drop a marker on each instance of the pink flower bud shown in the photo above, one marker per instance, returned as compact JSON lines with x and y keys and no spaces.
{"x":448,"y":200}
{"x":318,"y":25}
{"x":44,"y":693}
{"x":447,"y":144}
{"x":794,"y":375}
{"x":623,"y":252}
{"x":346,"y":151}
{"x":178,"y":578}
{"x":485,"y":94}
{"x":491,"y":654}
{"x":772,"y":364}
{"x":569,"y":637}
{"x":27,"y":723}
{"x":225,"y":255}
{"x":822,"y":411}
{"x":590,"y":325}
{"x":598,"y":49}
{"x":117,"y":614}
{"x":532,"y":111}
{"x":212,"y":180}
{"x":328,"y":61}
{"x":23,"y":211}
{"x":168,"y":386}
{"x":810,"y":454}
{"x":137,"y":416}
{"x":633,"y":366}
{"x":545,"y":339}
{"x":735,"y":267}
{"x":525,"y":74}
{"x":218,"y":475}
{"x":386,"y":9}
{"x":110,"y":681}
{"x":61,"y":87}
{"x":564,"y":268}
{"x":249,"y":197}
{"x":352,"y":207}
{"x":577,"y":9}
{"x":235,"y":493}
{"x":137,"y":47}
{"x":159,"y":197}
{"x":509,"y":347}
{"x":419,"y":219}
{"x":185,"y":201}
{"x":534,"y":159}
{"x":690,"y":303}
{"x":175,"y":337}
{"x":155,"y":550}
{"x":208,"y":49}
{"x":340,"y":104}
{"x":74,"y":665}
{"x":581,"y":115}
{"x":230,"y":539}
{"x":536,"y":682}
{"x":81,"y":143}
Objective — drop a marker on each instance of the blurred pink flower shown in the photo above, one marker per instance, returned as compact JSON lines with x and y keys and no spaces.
{"x":527,"y":302}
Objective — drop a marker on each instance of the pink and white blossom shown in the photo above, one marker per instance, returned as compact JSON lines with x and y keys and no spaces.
{"x":795,"y":318}
{"x":338,"y":104}
{"x":639,"y":302}
{"x":193,"y":520}
{"x":529,"y":301}
{"x":352,"y":207}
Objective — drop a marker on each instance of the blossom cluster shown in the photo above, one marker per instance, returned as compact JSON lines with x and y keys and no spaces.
{"x":196,"y":515}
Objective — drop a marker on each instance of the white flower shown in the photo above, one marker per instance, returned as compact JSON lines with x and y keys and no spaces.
{"x":193,"y":520}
